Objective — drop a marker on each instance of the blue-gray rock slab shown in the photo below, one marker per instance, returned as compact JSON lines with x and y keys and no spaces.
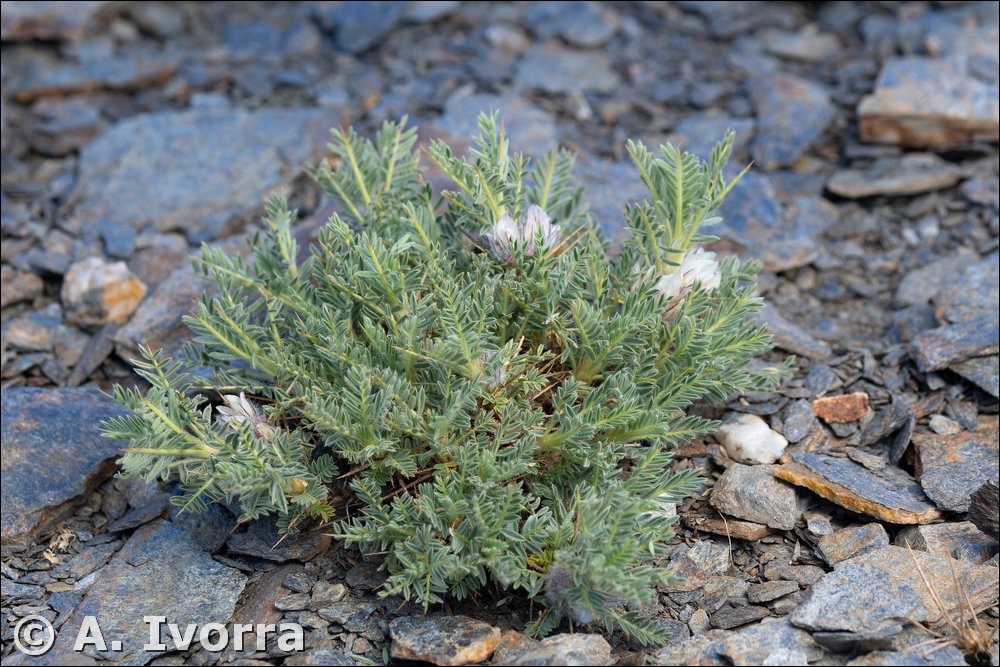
{"x":161,"y":571}
{"x":552,"y":69}
{"x":529,"y":128}
{"x":53,"y":454}
{"x":920,"y":656}
{"x":792,"y":114}
{"x":753,"y":645}
{"x":754,"y":223}
{"x":859,"y":598}
{"x":201,"y":172}
{"x":951,"y":467}
{"x":978,"y":583}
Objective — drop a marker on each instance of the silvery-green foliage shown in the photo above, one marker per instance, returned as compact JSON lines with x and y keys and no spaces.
{"x":499,"y":391}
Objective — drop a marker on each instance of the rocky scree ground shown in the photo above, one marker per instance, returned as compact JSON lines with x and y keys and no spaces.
{"x":132,"y":132}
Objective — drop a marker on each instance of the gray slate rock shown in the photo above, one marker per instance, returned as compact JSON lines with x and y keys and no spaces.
{"x":752,"y":493}
{"x":176,"y":170}
{"x":792,"y":113}
{"x":860,"y":599}
{"x":912,"y":174}
{"x":161,"y":571}
{"x":529,"y":128}
{"x":759,"y":644}
{"x":924,"y":656}
{"x":551,"y":69}
{"x":58,"y":431}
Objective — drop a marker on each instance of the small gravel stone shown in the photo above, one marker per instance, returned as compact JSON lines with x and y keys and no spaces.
{"x":748,"y":439}
{"x":96,"y":292}
{"x":770,"y":590}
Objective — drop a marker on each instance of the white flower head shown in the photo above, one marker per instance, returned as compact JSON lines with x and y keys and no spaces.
{"x":534,"y":226}
{"x":697,"y":266}
{"x":239,"y":410}
{"x":501,"y":238}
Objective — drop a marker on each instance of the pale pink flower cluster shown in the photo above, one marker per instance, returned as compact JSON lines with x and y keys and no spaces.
{"x":239,"y":410}
{"x":697,"y":266}
{"x":525,"y":233}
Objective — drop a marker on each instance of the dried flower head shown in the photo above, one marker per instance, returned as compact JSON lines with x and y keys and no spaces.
{"x":534,"y":226}
{"x":697,"y":266}
{"x":238,"y":410}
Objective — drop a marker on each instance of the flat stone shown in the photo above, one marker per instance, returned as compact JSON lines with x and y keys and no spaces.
{"x":698,"y":650}
{"x":912,"y":174}
{"x":962,"y":540}
{"x":50,"y":20}
{"x":552,"y":69}
{"x":528,"y":128}
{"x":13,"y":591}
{"x":35,"y":73}
{"x":809,"y":44}
{"x":973,"y":292}
{"x":205,"y":197}
{"x":442,"y":640}
{"x":753,"y":493}
{"x":586,"y":25}
{"x":729,"y":617}
{"x":923,"y":102}
{"x":792,"y":113}
{"x":360,"y":26}
{"x":951,"y":467}
{"x":851,"y":541}
{"x":924,"y":656}
{"x":261,"y":539}
{"x":733,"y":528}
{"x":770,"y":590}
{"x":754,"y":224}
{"x":945,"y":346}
{"x":859,"y":598}
{"x":326,"y":593}
{"x":58,"y":431}
{"x":919,"y":286}
{"x":889,"y":494}
{"x":799,"y":420}
{"x":979,"y":582}
{"x":18,"y":286}
{"x":791,"y":337}
{"x":574,"y":649}
{"x":759,"y":644}
{"x":159,"y":572}
{"x":841,"y":409}
{"x":748,"y":439}
{"x":984,"y":372}
{"x":356,"y":615}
